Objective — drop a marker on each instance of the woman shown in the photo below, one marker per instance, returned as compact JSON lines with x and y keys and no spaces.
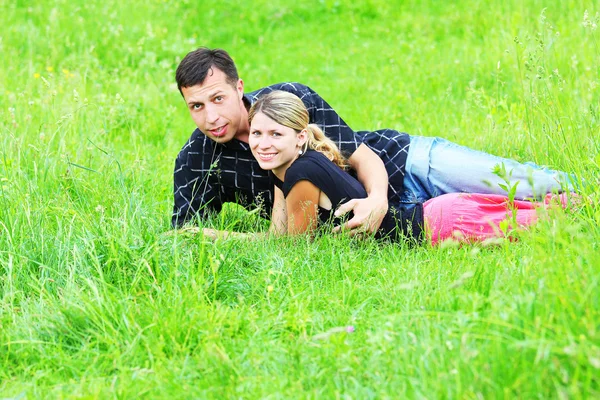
{"x":310,"y":182}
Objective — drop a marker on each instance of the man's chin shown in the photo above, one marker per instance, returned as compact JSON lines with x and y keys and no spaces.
{"x":220,"y":139}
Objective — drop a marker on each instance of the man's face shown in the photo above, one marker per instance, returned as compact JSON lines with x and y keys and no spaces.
{"x":217,"y":107}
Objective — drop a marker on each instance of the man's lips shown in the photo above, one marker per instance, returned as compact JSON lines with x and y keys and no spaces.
{"x":218,"y":132}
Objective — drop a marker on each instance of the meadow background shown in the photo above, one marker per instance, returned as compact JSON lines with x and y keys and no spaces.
{"x":97,"y":300}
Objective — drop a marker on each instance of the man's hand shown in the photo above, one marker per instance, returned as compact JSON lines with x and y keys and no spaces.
{"x":368,"y":214}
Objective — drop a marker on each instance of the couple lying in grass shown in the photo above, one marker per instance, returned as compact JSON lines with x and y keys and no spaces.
{"x":311,"y":181}
{"x":406,"y":186}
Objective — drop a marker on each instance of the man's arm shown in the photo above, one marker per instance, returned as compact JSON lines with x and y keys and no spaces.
{"x":371,"y":172}
{"x":192,"y":192}
{"x":370,"y":169}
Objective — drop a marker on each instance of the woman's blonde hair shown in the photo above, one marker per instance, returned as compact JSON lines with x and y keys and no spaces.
{"x":288,"y":110}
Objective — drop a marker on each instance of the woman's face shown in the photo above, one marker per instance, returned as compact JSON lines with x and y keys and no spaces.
{"x":273,"y":145}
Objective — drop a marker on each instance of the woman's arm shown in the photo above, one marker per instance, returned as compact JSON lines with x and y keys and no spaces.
{"x":296,"y":214}
{"x":302,"y":208}
{"x":302,"y":204}
{"x":278,"y":227}
{"x":215,"y":234}
{"x":278,"y":215}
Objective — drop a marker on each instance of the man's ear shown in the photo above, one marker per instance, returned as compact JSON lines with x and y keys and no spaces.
{"x":240,"y":88}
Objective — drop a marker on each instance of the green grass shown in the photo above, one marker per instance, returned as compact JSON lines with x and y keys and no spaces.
{"x":97,"y":300}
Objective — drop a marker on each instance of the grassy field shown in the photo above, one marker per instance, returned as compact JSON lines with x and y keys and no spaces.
{"x":98,"y":300}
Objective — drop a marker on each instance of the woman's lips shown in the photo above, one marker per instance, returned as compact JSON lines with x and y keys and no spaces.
{"x":266,"y":156}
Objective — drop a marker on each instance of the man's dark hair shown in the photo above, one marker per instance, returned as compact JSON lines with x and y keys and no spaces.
{"x":195,"y":66}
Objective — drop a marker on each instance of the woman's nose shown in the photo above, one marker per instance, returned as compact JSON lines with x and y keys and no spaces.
{"x":265,"y":142}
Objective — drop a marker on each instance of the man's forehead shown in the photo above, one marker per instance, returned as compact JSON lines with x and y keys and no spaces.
{"x":207,"y":89}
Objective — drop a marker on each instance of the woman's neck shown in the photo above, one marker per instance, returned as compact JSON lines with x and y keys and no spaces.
{"x":279,"y":172}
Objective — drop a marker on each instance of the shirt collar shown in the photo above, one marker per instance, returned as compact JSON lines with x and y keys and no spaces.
{"x":235,"y":144}
{"x":249,"y":99}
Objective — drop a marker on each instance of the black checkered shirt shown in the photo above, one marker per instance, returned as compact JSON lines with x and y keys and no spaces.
{"x":208,"y":174}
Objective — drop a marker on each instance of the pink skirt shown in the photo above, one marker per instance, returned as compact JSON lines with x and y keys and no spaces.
{"x":475,"y":217}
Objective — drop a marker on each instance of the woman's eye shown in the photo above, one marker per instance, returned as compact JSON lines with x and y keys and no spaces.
{"x":276,"y":134}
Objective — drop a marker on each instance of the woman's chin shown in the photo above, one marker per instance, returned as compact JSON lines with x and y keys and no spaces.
{"x":265,"y":165}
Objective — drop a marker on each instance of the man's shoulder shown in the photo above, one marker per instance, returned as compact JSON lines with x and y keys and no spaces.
{"x":296,"y":88}
{"x":383,"y":136}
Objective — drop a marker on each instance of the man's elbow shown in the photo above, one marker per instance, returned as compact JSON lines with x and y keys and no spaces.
{"x":177,"y":221}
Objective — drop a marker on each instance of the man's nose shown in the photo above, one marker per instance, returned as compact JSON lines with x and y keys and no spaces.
{"x":211,"y":114}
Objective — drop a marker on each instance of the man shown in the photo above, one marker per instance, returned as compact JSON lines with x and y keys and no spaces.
{"x":216,"y":166}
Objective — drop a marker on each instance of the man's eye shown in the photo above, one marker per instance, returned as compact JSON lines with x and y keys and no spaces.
{"x":219,"y":99}
{"x":196,"y":106}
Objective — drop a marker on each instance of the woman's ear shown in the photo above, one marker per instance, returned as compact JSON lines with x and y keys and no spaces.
{"x":302,"y":137}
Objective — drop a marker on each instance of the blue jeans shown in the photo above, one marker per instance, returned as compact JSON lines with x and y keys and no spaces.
{"x":435,"y":166}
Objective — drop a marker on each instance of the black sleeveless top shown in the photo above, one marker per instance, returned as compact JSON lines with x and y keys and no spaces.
{"x":340,"y":187}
